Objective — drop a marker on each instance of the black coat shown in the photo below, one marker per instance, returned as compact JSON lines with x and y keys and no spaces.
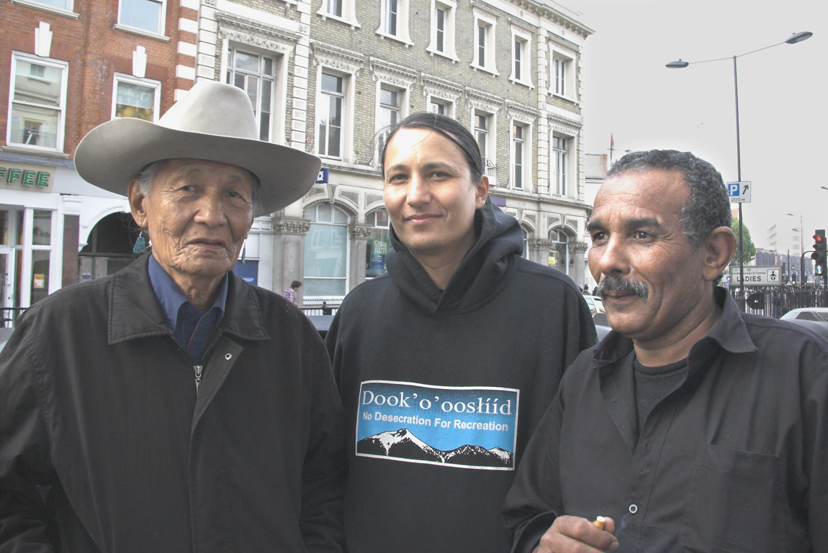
{"x":99,"y":415}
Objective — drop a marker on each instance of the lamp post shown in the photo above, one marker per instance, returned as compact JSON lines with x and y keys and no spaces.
{"x":794,"y":39}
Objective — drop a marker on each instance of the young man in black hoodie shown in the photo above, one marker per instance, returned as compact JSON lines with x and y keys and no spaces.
{"x":447,"y":362}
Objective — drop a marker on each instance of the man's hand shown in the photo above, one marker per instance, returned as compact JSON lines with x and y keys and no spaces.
{"x":578,"y":535}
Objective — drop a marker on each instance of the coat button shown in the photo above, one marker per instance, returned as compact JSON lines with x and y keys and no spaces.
{"x":228,"y":356}
{"x":633,"y":508}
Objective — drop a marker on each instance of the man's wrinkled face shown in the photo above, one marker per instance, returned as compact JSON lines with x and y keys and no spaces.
{"x":198,"y":214}
{"x":650,"y":276}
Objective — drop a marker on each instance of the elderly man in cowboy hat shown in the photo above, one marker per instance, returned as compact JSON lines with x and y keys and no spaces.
{"x":171,"y":407}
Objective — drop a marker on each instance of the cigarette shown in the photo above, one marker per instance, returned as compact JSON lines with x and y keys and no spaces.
{"x":599,"y":522}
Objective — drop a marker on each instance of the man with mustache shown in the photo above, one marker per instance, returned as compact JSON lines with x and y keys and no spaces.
{"x":691,"y":426}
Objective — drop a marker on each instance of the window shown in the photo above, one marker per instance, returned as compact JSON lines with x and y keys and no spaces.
{"x":341,"y":10}
{"x":389,"y":111}
{"x":147,"y":15}
{"x":394,"y":20}
{"x":442,"y":28}
{"x":38,"y":108}
{"x":63,"y":6}
{"x":518,"y":152}
{"x":562,"y":71}
{"x":484,"y":133}
{"x":484,"y":41}
{"x":559,"y":254}
{"x":330,"y":123}
{"x":378,"y":244}
{"x":560,"y":161}
{"x":256,"y":75}
{"x":438,"y":107}
{"x":521,"y":57}
{"x":326,"y":252}
{"x":137,"y":98}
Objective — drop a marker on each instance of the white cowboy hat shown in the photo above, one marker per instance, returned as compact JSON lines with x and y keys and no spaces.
{"x":214,"y":122}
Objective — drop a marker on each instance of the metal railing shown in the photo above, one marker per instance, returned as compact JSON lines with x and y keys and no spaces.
{"x":320,"y":309}
{"x":775,"y":301}
{"x":10,"y":315}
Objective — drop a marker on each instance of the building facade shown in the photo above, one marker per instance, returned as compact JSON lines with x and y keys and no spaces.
{"x":71,"y":65}
{"x":324,"y":76}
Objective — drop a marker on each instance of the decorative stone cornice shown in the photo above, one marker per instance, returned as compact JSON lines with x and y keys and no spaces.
{"x":337,"y":58}
{"x":578,"y":247}
{"x":484,"y":100}
{"x":392,"y":73}
{"x":546,"y":11}
{"x":540,"y":244}
{"x":442,"y":89}
{"x":520,"y":112}
{"x":254,"y":33}
{"x":360,"y":232}
{"x":291,"y":226}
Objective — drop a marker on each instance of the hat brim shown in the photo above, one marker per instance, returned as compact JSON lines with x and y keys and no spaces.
{"x":112,"y":154}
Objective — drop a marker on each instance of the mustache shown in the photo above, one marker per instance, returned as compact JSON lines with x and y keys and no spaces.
{"x":623,"y":286}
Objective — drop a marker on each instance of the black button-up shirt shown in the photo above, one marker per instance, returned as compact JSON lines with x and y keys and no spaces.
{"x":735,"y":459}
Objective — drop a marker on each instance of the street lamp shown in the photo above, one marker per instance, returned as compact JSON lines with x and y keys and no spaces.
{"x":680,"y":64}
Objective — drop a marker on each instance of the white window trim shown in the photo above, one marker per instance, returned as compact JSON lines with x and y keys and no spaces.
{"x":571,"y":157}
{"x":525,"y":38}
{"x":568,"y":57}
{"x":527,"y":153}
{"x":59,"y":133}
{"x":348,"y":13}
{"x":123,"y":78}
{"x":320,"y":299}
{"x":491,"y":143}
{"x":402,"y":23}
{"x":490,"y":21}
{"x":278,"y":50}
{"x":401,"y":85}
{"x":449,"y":51}
{"x":348,"y":74}
{"x":450,"y":104}
{"x":162,"y":23}
{"x":66,"y":12}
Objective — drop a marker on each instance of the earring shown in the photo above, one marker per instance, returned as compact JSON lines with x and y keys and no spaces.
{"x":140,"y":244}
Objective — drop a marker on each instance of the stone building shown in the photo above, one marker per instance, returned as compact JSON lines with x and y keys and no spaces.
{"x":328,"y":76}
{"x":70,"y":65}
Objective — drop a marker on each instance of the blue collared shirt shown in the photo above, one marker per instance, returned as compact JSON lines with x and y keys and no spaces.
{"x":192,"y":328}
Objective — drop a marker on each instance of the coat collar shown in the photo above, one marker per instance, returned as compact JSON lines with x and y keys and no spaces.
{"x":134,"y":311}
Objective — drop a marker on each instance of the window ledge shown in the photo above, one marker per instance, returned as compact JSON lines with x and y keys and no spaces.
{"x":528,"y":85}
{"x":406,"y":41}
{"x":46,"y":8}
{"x":353,"y":23}
{"x":562,"y":97}
{"x":33,"y":150}
{"x":484,"y":69}
{"x":435,"y":52}
{"x":141,"y":32}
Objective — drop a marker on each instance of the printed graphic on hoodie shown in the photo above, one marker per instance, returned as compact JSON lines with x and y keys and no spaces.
{"x":463,"y":427}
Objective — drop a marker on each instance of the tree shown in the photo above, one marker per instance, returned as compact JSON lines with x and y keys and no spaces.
{"x":749,"y":248}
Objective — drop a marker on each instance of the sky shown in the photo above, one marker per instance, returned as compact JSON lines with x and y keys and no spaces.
{"x":783,"y":97}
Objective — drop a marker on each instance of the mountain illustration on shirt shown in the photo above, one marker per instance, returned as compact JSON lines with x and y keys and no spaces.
{"x":403,"y":444}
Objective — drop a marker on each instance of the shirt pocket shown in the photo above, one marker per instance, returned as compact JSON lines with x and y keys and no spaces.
{"x":732,"y":502}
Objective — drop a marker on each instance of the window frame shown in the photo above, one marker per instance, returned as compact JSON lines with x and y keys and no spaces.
{"x":60,"y":130}
{"x":561,"y":153}
{"x":402,"y":112}
{"x":523,"y":75}
{"x":559,"y":55}
{"x":67,"y":11}
{"x":401,"y":31}
{"x":162,"y":20}
{"x":489,"y":23}
{"x":490,"y":153}
{"x":347,"y":128}
{"x":449,"y":7}
{"x":277,"y":78}
{"x":149,"y":83}
{"x":348,"y":16}
{"x":526,"y":155}
{"x":347,"y":254}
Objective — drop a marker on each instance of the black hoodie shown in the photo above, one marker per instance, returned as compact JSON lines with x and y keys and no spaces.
{"x":442,"y":390}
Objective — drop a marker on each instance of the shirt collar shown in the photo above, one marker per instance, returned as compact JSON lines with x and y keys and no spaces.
{"x":730,"y":333}
{"x":171,"y":298}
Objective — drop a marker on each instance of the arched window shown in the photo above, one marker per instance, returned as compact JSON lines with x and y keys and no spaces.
{"x":378,"y":244}
{"x":559,"y":253}
{"x":326,"y":252}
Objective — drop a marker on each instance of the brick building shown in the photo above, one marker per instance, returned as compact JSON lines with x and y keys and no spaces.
{"x":325,"y":76}
{"x":328,"y":76}
{"x":71,"y":65}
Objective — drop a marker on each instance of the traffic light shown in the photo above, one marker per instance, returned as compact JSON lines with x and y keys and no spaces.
{"x":819,"y":253}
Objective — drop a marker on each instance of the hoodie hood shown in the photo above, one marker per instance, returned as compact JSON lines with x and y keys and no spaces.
{"x":482,"y":274}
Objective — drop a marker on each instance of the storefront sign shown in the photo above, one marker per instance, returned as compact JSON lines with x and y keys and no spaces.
{"x":26,"y":177}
